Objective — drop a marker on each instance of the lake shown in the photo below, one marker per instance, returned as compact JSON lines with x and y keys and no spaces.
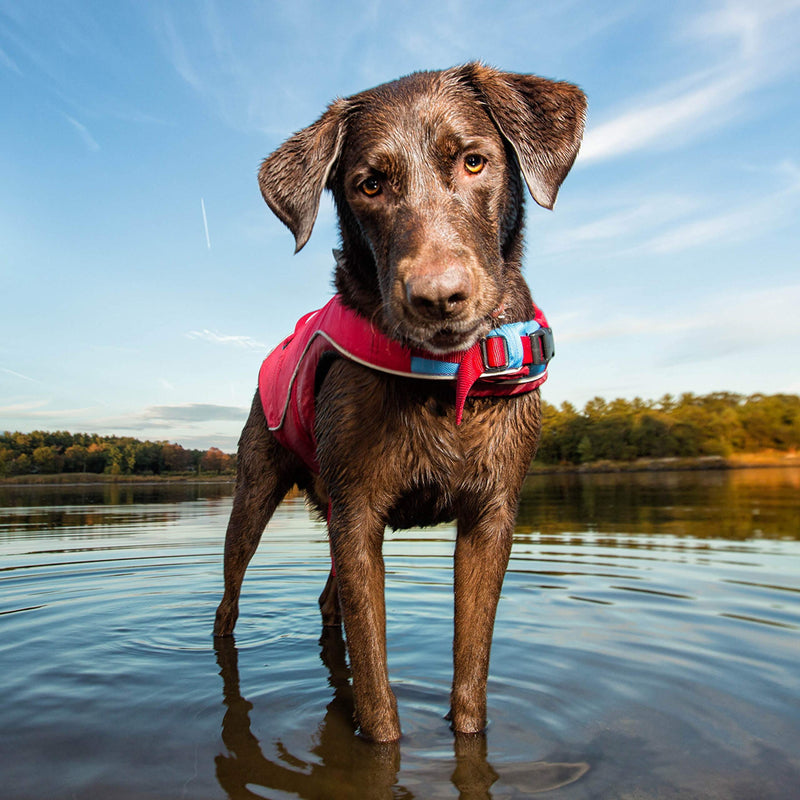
{"x":647,"y":646}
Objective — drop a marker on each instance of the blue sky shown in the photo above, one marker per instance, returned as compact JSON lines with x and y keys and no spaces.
{"x":670,"y":263}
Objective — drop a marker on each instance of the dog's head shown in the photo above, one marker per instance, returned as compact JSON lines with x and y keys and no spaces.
{"x":425,"y":172}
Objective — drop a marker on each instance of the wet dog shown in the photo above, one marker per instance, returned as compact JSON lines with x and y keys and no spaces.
{"x":428,"y":176}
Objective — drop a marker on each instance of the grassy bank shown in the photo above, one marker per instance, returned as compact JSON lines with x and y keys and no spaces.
{"x":87,"y":478}
{"x":737,"y":461}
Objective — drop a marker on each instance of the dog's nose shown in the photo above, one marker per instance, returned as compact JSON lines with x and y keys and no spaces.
{"x":439,"y":293}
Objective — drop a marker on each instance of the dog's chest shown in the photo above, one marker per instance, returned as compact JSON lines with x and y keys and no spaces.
{"x":398,"y":437}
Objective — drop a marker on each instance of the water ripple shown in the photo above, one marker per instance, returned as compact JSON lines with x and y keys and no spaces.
{"x":631,"y":657}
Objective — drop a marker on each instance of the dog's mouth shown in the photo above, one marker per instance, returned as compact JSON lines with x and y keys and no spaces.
{"x":449,"y":338}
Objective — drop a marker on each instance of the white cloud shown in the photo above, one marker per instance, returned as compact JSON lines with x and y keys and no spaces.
{"x":737,"y":224}
{"x":727,"y":228}
{"x":730,"y":322}
{"x":188,"y":423}
{"x":664,"y":223}
{"x":724,"y":341}
{"x":627,"y":221}
{"x":225,"y":339}
{"x":24,"y":408}
{"x":192,"y":413}
{"x":765,"y":47}
{"x":34,"y":411}
{"x":664,"y":122}
{"x":619,"y":326}
{"x":746,"y":23}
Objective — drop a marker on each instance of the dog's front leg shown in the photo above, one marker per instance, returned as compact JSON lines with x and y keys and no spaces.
{"x":263,"y":478}
{"x":483,"y":547}
{"x":357,"y":541}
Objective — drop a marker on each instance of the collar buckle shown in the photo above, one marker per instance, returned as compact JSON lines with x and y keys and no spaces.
{"x":542,"y":346}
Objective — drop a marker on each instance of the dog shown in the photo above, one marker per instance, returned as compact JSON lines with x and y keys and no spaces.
{"x":427,"y":174}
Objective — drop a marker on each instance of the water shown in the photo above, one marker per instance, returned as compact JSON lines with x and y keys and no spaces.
{"x":647,"y":646}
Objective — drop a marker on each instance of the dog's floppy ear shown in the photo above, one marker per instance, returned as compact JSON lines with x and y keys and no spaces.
{"x":293,"y":177}
{"x":542,"y":120}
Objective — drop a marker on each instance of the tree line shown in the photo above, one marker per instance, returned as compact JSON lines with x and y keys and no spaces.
{"x":56,"y":452}
{"x":689,"y":426}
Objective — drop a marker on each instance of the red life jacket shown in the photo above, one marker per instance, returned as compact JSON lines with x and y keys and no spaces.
{"x":510,"y":360}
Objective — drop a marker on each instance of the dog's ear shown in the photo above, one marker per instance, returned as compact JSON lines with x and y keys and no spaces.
{"x":542,"y":120}
{"x":293,"y":177}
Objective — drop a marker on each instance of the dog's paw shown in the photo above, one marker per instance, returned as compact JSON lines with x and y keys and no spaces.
{"x":224,"y":622}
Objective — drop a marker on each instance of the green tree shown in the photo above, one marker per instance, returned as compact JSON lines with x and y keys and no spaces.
{"x":47,"y":459}
{"x":76,"y":458}
{"x":7,"y":458}
{"x":585,"y":449}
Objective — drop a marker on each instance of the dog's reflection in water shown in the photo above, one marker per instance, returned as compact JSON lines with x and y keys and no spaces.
{"x":347,"y":766}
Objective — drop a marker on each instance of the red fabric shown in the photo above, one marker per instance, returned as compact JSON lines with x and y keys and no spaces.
{"x":495,"y":352}
{"x":468,"y":374}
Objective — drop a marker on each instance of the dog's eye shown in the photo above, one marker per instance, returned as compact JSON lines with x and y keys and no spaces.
{"x":474,"y":163}
{"x":371,"y":187}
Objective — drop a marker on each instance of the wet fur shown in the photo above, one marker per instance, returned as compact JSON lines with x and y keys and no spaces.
{"x":433,"y":259}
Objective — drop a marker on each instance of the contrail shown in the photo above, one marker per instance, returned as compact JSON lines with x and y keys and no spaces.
{"x":18,"y":375}
{"x":205,"y":222}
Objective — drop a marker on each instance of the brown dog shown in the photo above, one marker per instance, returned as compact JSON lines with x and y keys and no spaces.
{"x":427,"y":174}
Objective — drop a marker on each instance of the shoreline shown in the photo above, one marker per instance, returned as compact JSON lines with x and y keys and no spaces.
{"x":736,"y":462}
{"x":740,"y":461}
{"x":68,"y":479}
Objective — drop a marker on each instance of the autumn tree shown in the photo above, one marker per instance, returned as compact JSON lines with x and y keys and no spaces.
{"x":214,"y":460}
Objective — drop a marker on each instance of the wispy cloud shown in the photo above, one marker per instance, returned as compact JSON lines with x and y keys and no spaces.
{"x":742,"y":222}
{"x":629,"y":220}
{"x":220,"y":338}
{"x":24,"y":408}
{"x":83,"y":132}
{"x":19,"y":375}
{"x":36,"y":412}
{"x":179,"y":55}
{"x":9,"y":62}
{"x":174,"y":417}
{"x":226,"y":68}
{"x":755,"y":44}
{"x":747,"y":325}
{"x":192,"y":412}
{"x":730,"y":227}
{"x":48,"y":44}
{"x":226,"y":443}
{"x":662,"y":122}
{"x":730,"y":323}
{"x":659,"y":223}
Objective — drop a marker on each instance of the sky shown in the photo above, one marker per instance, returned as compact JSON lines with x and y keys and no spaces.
{"x":143,"y":279}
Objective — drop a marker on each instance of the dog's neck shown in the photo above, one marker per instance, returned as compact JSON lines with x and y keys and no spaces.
{"x":355,"y":279}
